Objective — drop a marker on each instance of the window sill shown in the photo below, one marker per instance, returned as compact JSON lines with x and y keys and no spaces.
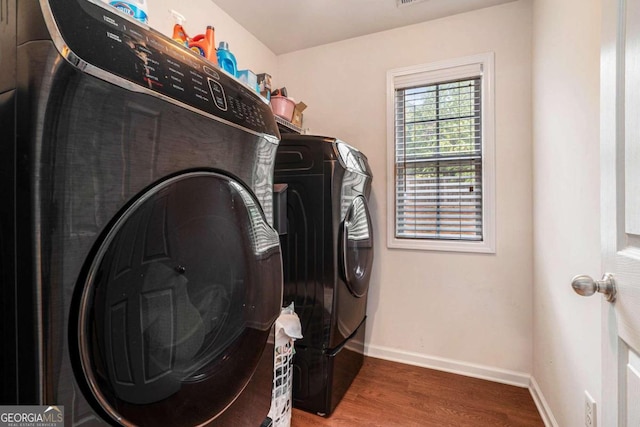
{"x":485,"y":247}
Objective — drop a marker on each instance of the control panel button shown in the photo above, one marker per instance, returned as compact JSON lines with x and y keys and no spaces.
{"x":213,"y":73}
{"x":218,"y":94}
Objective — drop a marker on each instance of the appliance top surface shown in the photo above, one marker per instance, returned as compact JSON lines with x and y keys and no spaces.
{"x":329,"y":148}
{"x":313,"y":139}
{"x":100,"y":40}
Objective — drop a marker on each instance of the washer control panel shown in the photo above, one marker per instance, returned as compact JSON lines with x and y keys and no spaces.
{"x":102,"y":37}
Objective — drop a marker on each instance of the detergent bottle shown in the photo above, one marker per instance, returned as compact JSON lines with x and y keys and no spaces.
{"x":179,"y":33}
{"x":134,"y":8}
{"x":205,"y":44}
{"x":226,"y":60}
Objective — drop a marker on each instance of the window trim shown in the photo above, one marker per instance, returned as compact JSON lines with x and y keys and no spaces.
{"x":428,"y":74}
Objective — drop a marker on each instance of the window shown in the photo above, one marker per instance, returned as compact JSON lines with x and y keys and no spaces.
{"x":441,"y":168}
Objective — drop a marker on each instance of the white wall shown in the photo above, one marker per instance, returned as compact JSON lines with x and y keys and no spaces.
{"x":250,"y":53}
{"x":433,"y":308}
{"x":566,"y":39}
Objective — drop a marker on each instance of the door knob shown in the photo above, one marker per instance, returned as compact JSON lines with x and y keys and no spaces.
{"x":584,"y":285}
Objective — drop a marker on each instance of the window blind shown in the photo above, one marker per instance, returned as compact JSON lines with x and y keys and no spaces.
{"x":438,"y":161}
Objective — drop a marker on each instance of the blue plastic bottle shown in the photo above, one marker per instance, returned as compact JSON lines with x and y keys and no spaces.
{"x":226,"y":60}
{"x":134,"y":8}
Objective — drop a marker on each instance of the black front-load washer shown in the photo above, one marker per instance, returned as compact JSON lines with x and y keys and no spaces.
{"x":140,"y":273}
{"x":327,"y":256}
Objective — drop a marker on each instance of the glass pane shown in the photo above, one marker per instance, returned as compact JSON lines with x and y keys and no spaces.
{"x":358,"y":247}
{"x":439,"y":161}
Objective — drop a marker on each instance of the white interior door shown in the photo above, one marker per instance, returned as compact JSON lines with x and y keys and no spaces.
{"x":620,"y":180}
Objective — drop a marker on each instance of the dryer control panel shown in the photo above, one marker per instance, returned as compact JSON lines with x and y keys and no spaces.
{"x":100,"y":36}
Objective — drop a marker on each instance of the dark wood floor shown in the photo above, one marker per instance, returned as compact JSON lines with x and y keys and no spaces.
{"x":392,"y":394}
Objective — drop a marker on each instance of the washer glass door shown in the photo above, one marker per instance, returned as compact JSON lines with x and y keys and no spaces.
{"x":357,"y":247}
{"x":179,"y":302}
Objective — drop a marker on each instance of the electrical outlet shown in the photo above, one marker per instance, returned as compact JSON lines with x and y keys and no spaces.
{"x":590,"y":416}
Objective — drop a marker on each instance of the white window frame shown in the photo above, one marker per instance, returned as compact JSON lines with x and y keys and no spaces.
{"x":435,"y":72}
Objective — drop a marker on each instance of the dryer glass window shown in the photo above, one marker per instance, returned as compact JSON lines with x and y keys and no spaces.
{"x":179,"y":302}
{"x":357,"y":248}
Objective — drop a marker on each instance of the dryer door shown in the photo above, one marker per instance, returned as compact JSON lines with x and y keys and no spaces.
{"x":357,"y":247}
{"x":179,"y":302}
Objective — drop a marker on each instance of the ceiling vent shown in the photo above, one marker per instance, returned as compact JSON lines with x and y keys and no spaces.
{"x":403,"y":3}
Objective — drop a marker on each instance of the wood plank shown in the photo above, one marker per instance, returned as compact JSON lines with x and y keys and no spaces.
{"x":393,"y":394}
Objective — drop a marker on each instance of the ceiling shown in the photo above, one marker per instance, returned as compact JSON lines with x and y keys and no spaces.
{"x":290,"y":25}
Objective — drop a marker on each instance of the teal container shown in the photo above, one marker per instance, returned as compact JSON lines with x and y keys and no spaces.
{"x":226,"y":60}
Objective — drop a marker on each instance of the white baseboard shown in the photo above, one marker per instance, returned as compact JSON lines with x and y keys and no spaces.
{"x":518,"y":379}
{"x":542,"y":405}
